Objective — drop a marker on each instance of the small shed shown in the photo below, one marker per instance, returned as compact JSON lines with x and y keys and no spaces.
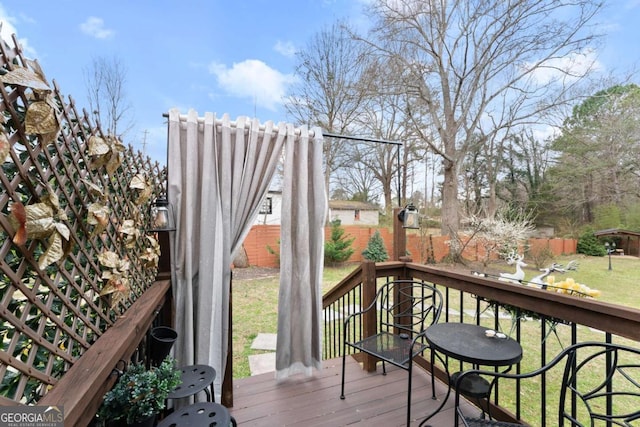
{"x":350,"y":212}
{"x":626,"y":240}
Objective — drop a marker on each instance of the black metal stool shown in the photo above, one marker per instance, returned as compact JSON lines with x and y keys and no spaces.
{"x":201,"y":414}
{"x":195,"y":378}
{"x":472,"y":385}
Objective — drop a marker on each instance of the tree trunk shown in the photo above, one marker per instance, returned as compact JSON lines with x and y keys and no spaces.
{"x":450,"y":217}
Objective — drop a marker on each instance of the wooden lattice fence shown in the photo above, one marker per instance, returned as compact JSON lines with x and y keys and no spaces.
{"x":66,"y":192}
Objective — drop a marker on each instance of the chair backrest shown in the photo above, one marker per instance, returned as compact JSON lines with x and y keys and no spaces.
{"x":408,"y":305}
{"x":601,"y":382}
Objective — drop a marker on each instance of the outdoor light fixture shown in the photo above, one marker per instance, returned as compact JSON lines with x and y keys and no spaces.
{"x":161,"y":214}
{"x":409,"y":217}
{"x":611,"y":247}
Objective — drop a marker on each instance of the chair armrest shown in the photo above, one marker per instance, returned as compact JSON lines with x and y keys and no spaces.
{"x":359,"y":313}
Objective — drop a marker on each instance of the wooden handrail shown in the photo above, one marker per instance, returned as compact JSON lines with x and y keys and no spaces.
{"x":81,"y":389}
{"x":616,"y":319}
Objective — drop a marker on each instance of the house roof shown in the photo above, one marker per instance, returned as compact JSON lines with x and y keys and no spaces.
{"x":351,"y":204}
{"x":616,"y":232}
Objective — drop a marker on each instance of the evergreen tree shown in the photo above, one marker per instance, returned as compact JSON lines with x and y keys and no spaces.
{"x":589,"y":244}
{"x":375,"y":250}
{"x":338,"y":248}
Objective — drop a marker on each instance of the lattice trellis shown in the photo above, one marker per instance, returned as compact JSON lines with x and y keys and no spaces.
{"x":51,"y":313}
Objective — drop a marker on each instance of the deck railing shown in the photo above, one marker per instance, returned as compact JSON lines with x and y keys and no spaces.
{"x":543,"y":322}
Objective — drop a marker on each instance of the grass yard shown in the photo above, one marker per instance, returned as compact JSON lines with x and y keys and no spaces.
{"x":255,"y":299}
{"x":255,"y":310}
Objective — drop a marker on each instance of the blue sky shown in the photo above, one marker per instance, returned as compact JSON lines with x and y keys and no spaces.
{"x":224,"y":56}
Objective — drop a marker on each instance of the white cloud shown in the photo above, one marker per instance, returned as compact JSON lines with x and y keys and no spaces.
{"x":8,"y":30}
{"x":94,"y":27}
{"x":287,"y":49}
{"x":253,"y":79}
{"x":575,"y":64}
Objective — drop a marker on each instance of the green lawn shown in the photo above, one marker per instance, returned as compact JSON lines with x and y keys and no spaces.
{"x":255,"y":307}
{"x":255,"y":301}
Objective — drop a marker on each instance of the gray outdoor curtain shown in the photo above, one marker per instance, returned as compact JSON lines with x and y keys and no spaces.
{"x":218,"y":174}
{"x":304,"y":209}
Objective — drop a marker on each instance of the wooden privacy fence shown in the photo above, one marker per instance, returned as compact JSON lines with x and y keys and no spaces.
{"x":74,"y":255}
{"x":424,"y":248}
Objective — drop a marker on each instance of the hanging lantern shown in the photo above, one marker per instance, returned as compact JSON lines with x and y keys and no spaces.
{"x":409,"y":217}
{"x":161,"y":214}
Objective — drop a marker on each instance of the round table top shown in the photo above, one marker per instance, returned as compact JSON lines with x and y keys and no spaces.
{"x":467,"y":342}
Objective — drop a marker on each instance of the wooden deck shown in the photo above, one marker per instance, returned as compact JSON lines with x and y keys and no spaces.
{"x":372,"y":399}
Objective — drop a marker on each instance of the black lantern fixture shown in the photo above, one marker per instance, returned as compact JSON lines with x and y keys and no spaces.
{"x":611,"y":248}
{"x":161,"y":215}
{"x":409,"y":217}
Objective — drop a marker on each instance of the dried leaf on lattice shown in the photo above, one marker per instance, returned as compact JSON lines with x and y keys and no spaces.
{"x":98,"y":215}
{"x":53,"y":253}
{"x":99,"y":161}
{"x":153,"y":243}
{"x":140,"y":183}
{"x":114,"y":162}
{"x":47,"y":138}
{"x":51,"y":198}
{"x":94,"y":190}
{"x":5,"y":147}
{"x":41,"y":119}
{"x":24,"y":77}
{"x":118,"y":288}
{"x":151,"y":254}
{"x":18,"y":220}
{"x":115,"y":283}
{"x":150,"y":258}
{"x":97,"y":146}
{"x":105,"y":152}
{"x":38,"y":220}
{"x":116,"y":145}
{"x":130,"y":232}
{"x":109,"y":259}
{"x":35,"y":66}
{"x":63,"y":230}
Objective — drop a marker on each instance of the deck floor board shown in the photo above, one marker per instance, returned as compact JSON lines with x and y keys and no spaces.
{"x":372,"y":399}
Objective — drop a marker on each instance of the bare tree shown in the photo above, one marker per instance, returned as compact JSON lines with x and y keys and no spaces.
{"x":467,"y":60}
{"x":383,"y":115}
{"x":106,"y":80}
{"x":329,"y":93}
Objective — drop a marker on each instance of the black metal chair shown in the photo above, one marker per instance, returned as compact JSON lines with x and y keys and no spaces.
{"x":405,"y":308}
{"x":600,"y":383}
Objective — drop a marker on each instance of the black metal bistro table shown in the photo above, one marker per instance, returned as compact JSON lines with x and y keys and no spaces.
{"x":470,"y":343}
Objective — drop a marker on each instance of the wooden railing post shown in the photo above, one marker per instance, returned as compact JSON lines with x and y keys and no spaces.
{"x":399,"y":237}
{"x":369,"y":319}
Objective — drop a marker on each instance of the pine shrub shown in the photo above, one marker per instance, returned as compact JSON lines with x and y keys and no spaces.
{"x":375,"y":250}
{"x":589,"y":244}
{"x":338,"y":248}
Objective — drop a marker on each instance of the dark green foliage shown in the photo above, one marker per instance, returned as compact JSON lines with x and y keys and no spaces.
{"x":589,"y":244}
{"x":375,"y":250}
{"x":338,"y":248}
{"x":140,"y":393}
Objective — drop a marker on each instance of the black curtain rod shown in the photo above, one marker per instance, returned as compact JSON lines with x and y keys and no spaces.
{"x":335,"y":135}
{"x":359,"y":138}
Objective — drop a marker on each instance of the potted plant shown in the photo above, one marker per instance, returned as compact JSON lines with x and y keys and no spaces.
{"x":140,"y":394}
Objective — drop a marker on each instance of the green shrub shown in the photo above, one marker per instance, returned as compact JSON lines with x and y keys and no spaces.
{"x":375,"y":250}
{"x":140,"y":393}
{"x":589,"y":244}
{"x":338,"y":248}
